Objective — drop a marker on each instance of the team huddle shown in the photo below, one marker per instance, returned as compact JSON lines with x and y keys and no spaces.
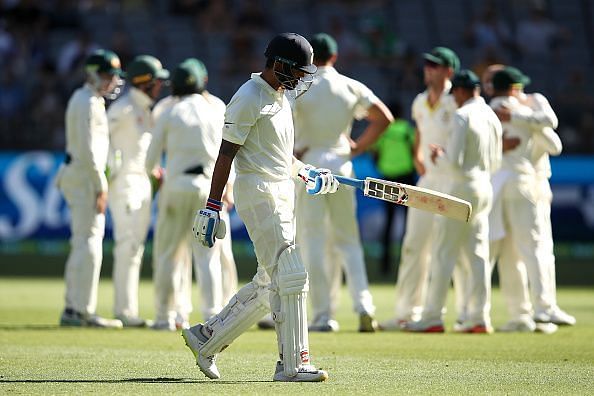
{"x":273,"y":152}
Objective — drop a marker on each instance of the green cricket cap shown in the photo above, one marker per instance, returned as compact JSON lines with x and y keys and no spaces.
{"x":103,"y":61}
{"x":324,"y":46}
{"x":145,"y":68}
{"x":509,"y":76}
{"x":443,"y":56}
{"x":187,"y":78}
{"x":465,"y":79}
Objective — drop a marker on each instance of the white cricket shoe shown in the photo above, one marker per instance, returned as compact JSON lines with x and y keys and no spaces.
{"x":133,"y":321}
{"x":394,"y":324}
{"x":324,"y":325}
{"x":195,"y":339}
{"x":71,"y":317}
{"x":526,"y":325}
{"x":425,"y":326}
{"x":164,"y":325}
{"x":546,"y":328}
{"x":562,"y":318}
{"x":305,"y":373}
{"x":266,"y":323}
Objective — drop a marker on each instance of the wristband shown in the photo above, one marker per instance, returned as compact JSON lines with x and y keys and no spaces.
{"x":213,"y":204}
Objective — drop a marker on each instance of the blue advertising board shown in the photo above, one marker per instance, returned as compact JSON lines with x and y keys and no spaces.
{"x":31,"y":207}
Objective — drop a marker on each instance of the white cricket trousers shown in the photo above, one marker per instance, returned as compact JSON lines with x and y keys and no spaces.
{"x":130,"y":207}
{"x":87,"y":228}
{"x":267,"y":210}
{"x":411,"y":284}
{"x":512,"y":270}
{"x":179,"y":200}
{"x":329,"y":222}
{"x":454,"y":240}
{"x":524,"y":242}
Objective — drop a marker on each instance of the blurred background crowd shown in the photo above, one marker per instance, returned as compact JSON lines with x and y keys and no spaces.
{"x":43,"y":42}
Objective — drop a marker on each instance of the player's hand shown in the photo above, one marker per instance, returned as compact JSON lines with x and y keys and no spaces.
{"x":436,"y":151}
{"x":208,"y":224}
{"x":503,"y":113}
{"x":101,"y":202}
{"x":510,"y":143}
{"x":318,"y":180}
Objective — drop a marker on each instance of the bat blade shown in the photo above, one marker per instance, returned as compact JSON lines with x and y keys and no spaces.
{"x":418,"y":198}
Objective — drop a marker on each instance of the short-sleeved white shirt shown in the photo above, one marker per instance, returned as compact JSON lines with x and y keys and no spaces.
{"x":190,"y":135}
{"x":434,"y":124}
{"x":324,"y":115}
{"x":259,"y":118}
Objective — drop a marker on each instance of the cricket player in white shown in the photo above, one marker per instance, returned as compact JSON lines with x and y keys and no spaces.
{"x":130,"y":128}
{"x":222,"y":251}
{"x":516,"y":226}
{"x":259,"y":135}
{"x":433,"y":112}
{"x":513,"y":277}
{"x":83,"y":182}
{"x":189,"y":136}
{"x":323,"y":122}
{"x":472,"y":154}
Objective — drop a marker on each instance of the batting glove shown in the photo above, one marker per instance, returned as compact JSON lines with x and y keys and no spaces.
{"x":318,"y":180}
{"x":208,"y":224}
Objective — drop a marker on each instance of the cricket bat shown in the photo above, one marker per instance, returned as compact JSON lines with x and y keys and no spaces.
{"x":412,"y":196}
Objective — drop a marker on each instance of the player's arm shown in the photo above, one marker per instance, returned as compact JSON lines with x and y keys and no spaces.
{"x":379,"y":117}
{"x":453,"y":154}
{"x":222,"y":169}
{"x":542,"y":115}
{"x":547,"y":140}
{"x":418,"y":153}
{"x":87,"y":157}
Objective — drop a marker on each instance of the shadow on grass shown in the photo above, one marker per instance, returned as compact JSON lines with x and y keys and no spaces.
{"x":31,"y":327}
{"x":157,"y":380}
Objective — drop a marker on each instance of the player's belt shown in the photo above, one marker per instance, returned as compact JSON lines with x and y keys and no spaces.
{"x":67,"y":159}
{"x":196,"y":170}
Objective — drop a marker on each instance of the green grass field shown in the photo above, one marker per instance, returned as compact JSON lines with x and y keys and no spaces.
{"x":38,"y":357}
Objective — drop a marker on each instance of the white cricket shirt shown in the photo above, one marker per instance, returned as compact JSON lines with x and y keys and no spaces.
{"x":434,"y":124}
{"x":518,"y":159}
{"x":259,"y":119}
{"x":87,"y":135}
{"x":473,"y":151}
{"x":130,"y":125}
{"x":189,"y":134}
{"x":324,"y":115}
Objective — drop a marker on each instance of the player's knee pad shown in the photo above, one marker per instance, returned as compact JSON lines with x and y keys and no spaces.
{"x":243,"y":310}
{"x":292,"y":318}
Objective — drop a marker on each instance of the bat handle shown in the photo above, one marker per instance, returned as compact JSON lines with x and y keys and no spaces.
{"x":351,"y":182}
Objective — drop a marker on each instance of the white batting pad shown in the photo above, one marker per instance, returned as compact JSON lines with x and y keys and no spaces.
{"x":293,"y":287}
{"x":243,"y":311}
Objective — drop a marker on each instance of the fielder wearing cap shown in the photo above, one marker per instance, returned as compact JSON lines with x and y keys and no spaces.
{"x":323,"y":121}
{"x":517,"y":198}
{"x":130,"y":129}
{"x":258,"y":137}
{"x":432,"y":111}
{"x":541,"y":120}
{"x":472,"y":153}
{"x":84,"y":185}
{"x":443,"y":56}
{"x":189,"y":134}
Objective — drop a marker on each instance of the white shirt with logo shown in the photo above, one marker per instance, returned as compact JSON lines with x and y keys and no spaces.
{"x":259,"y":119}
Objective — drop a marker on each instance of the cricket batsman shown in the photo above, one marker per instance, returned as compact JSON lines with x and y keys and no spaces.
{"x":259,"y":136}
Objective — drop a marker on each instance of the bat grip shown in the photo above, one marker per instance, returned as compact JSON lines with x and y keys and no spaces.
{"x":351,"y":182}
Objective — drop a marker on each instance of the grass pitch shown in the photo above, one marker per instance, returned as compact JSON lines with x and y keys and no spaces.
{"x":38,"y":357}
